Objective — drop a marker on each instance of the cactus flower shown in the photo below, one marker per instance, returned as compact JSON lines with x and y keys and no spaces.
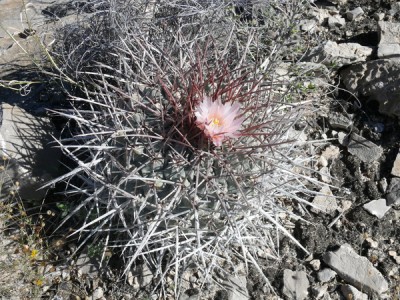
{"x":218,"y":121}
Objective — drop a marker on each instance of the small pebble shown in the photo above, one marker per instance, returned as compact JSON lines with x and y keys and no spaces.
{"x":315,"y":264}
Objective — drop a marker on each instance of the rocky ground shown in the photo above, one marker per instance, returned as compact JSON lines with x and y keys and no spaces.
{"x":353,"y":241}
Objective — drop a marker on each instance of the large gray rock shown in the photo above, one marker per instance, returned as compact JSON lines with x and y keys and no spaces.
{"x":356,"y":270}
{"x":365,"y":150}
{"x":338,"y":55}
{"x":389,"y":45}
{"x":25,"y":144}
{"x":377,"y":80}
{"x":389,"y":32}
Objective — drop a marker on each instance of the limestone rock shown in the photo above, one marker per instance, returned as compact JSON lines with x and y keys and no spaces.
{"x":377,"y":80}
{"x":356,"y":270}
{"x":362,"y":148}
{"x":389,"y":32}
{"x":25,"y":141}
{"x":389,"y":51}
{"x":377,"y":207}
{"x":325,"y":201}
{"x":339,"y":55}
{"x":396,"y":166}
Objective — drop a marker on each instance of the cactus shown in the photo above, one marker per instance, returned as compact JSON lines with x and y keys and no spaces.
{"x":155,"y":186}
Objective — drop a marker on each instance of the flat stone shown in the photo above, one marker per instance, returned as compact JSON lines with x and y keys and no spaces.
{"x":337,"y":55}
{"x":326,"y":202}
{"x":396,"y":166}
{"x":350,"y":292}
{"x":389,"y":51}
{"x":295,"y":284}
{"x":326,"y":275}
{"x":356,"y":270}
{"x":393,"y":192}
{"x":389,"y":32}
{"x":377,"y":208}
{"x":364,"y":149}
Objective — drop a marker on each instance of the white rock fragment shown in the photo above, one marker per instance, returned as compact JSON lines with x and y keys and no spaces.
{"x":350,"y":292}
{"x":394,"y":255}
{"x":372,"y":243}
{"x":383,"y":185}
{"x":336,"y":21}
{"x":326,"y":275}
{"x":325,"y":175}
{"x":295,"y":284}
{"x":98,"y":294}
{"x":345,"y":205}
{"x":389,"y":51}
{"x":378,"y":16}
{"x":315,"y":264}
{"x":343,"y":138}
{"x":354,"y":14}
{"x":364,"y":149}
{"x":356,"y":270}
{"x":377,"y":208}
{"x":396,"y":166}
{"x":322,"y":161}
{"x":389,"y":32}
{"x":326,"y":202}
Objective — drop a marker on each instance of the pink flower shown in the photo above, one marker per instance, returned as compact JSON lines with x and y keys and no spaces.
{"x":218,"y":121}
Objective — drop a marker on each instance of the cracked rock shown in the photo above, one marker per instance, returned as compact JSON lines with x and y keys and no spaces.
{"x":356,"y":270}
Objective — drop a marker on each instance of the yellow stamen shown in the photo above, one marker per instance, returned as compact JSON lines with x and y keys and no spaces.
{"x":215,"y":122}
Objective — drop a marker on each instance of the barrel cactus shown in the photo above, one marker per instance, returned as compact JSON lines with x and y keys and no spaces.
{"x":179,"y":134}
